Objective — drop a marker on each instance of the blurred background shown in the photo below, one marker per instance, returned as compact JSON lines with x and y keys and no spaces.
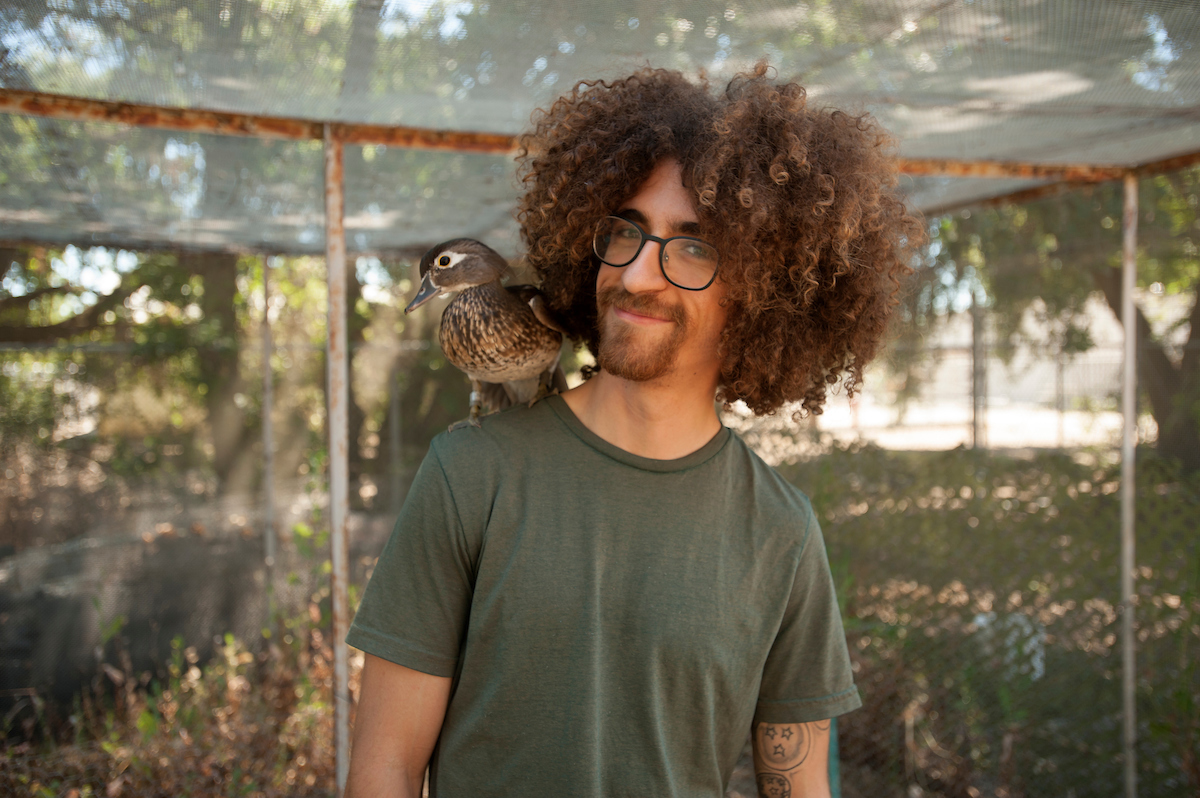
{"x":163,"y":392}
{"x":968,"y":493}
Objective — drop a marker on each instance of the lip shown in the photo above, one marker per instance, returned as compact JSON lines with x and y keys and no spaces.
{"x":637,"y":318}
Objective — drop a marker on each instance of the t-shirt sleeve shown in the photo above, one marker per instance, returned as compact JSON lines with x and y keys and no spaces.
{"x":415,"y":607}
{"x":807,"y":674}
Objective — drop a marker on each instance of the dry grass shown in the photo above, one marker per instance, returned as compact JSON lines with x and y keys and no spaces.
{"x":243,"y":725}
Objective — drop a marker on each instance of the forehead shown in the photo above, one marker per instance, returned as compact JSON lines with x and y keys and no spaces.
{"x":663,"y":199}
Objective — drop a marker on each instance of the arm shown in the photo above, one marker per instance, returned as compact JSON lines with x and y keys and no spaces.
{"x":400,"y":714}
{"x":791,"y":760}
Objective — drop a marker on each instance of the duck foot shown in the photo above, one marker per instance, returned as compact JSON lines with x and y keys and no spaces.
{"x":476,"y":404}
{"x":542,"y":393}
{"x":472,"y":419}
{"x":551,"y":383}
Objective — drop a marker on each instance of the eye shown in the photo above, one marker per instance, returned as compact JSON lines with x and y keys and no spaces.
{"x":444,"y":260}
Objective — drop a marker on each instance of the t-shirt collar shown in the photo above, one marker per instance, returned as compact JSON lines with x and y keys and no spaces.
{"x":572,"y":422}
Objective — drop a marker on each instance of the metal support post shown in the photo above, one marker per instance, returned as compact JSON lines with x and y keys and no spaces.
{"x":268,"y":443}
{"x":1128,"y":442}
{"x":978,"y":374}
{"x":339,"y":446}
{"x":1060,"y":394}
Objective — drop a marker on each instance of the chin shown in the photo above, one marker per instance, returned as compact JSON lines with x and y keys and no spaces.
{"x":623,"y":355}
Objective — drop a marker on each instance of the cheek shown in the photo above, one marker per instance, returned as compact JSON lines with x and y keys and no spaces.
{"x":607,"y":276}
{"x":710,"y":317}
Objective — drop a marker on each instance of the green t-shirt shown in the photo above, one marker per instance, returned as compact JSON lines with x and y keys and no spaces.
{"x":613,"y":623}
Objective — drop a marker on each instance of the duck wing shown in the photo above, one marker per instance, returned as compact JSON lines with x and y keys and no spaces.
{"x":532,"y":296}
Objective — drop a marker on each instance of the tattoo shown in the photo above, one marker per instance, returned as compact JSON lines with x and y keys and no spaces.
{"x":772,"y":785}
{"x":783,"y":746}
{"x":788,"y":757}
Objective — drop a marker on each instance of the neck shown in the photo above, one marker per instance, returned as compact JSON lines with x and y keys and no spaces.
{"x":662,"y":419}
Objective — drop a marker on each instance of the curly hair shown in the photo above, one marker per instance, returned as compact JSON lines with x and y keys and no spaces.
{"x":801,"y":203}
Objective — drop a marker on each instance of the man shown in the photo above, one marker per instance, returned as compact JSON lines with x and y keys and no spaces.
{"x":601,"y":594}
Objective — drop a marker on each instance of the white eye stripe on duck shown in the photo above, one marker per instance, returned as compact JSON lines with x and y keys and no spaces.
{"x":448,"y":259}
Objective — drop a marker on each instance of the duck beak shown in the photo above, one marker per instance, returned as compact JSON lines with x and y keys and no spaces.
{"x":427,"y":292}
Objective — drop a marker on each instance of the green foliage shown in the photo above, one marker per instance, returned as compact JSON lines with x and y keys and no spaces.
{"x":308,"y":542}
{"x":30,"y":400}
{"x":109,"y":631}
{"x":1035,"y":266}
{"x":147,"y":724}
{"x":1041,"y":256}
{"x":164,"y":388}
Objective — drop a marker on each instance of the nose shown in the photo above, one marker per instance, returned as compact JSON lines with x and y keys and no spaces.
{"x":645,"y":273}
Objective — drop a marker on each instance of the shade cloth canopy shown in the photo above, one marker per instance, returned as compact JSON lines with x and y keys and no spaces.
{"x":1090,"y":82}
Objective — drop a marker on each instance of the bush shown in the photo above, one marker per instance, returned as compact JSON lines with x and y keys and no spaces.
{"x":242,"y":725}
{"x":981,"y":600}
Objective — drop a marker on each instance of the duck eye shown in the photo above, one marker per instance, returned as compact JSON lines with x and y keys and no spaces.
{"x":444,"y":260}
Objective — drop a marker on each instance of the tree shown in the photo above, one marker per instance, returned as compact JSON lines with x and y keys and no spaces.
{"x":1051,"y":254}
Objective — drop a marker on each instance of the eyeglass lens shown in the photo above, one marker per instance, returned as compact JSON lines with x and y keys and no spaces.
{"x":686,"y":262}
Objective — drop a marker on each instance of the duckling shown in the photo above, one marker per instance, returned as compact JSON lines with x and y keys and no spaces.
{"x":503,"y":339}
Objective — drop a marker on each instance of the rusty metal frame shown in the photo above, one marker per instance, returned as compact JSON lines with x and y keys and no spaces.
{"x":426,"y":139}
{"x":80,"y":109}
{"x":1128,"y":444}
{"x":1148,"y":169}
{"x":191,"y":120}
{"x":339,"y":444}
{"x":268,"y":443}
{"x":945,"y":167}
{"x":272,"y":127}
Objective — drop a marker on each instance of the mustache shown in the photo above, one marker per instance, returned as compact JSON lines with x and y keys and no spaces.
{"x":642,"y":304}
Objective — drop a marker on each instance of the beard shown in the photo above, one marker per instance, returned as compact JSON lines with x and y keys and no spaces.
{"x":622,"y":352}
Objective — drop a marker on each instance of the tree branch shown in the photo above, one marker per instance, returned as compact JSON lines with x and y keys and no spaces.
{"x":1170,"y":388}
{"x":10,"y":302}
{"x":82,"y":322}
{"x":1189,"y":367}
{"x":1156,"y":371}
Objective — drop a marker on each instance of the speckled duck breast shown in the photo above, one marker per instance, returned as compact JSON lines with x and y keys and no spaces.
{"x":491,"y":333}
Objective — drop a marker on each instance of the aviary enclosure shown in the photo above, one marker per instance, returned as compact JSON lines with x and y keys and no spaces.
{"x":210,"y":404}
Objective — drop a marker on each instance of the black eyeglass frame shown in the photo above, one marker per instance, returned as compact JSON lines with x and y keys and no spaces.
{"x":662,"y":249}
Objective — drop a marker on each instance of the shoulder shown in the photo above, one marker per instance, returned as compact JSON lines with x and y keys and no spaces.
{"x":774,"y":496}
{"x":769,"y":484}
{"x":499,"y":439}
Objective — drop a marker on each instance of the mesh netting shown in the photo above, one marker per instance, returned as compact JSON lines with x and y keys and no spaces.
{"x":1090,"y":82}
{"x":979,"y":589}
{"x":101,"y":184}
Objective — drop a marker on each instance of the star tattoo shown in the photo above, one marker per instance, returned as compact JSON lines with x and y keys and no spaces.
{"x":773,"y":785}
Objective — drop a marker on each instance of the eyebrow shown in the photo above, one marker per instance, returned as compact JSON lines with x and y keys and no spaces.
{"x":677,"y":228}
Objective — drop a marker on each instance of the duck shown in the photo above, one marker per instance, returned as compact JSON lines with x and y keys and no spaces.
{"x":503,"y":338}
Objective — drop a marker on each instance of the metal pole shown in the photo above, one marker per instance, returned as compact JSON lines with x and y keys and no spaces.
{"x":976,"y":421}
{"x":268,"y":441}
{"x":1128,"y":441}
{"x":339,"y":447}
{"x":1060,"y":395}
{"x":978,"y":373}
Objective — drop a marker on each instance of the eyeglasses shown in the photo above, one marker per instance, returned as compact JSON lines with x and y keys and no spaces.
{"x":686,"y":262}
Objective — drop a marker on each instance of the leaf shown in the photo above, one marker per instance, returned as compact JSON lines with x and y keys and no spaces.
{"x":147,"y":724}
